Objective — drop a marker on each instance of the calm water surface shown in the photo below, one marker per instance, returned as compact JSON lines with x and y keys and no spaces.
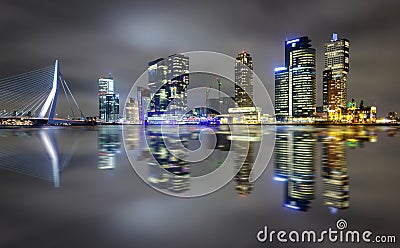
{"x":75,"y":187}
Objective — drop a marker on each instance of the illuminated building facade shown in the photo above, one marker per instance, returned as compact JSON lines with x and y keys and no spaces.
{"x":354,"y":114}
{"x":143,"y":100}
{"x":244,"y":80}
{"x":168,"y":82}
{"x":108,"y":100}
{"x":295,"y":83}
{"x":131,"y":111}
{"x":335,"y":73}
{"x":281,"y":93}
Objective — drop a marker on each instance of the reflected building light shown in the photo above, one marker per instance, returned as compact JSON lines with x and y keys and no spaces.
{"x":333,"y":210}
{"x":109,"y":145}
{"x":168,"y":168}
{"x":334,"y":172}
{"x":242,"y":179}
{"x":292,"y":206}
{"x":294,"y":164}
{"x":244,"y":148}
{"x":280,"y":179}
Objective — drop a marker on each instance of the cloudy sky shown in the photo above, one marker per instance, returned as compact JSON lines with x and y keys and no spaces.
{"x":94,"y":38}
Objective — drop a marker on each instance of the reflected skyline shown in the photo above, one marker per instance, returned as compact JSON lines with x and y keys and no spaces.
{"x":174,"y":174}
{"x":295,"y":160}
{"x":109,"y":144}
{"x":351,"y":178}
{"x":295,"y":157}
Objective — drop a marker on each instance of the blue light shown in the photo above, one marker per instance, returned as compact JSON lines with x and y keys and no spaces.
{"x":280,"y":179}
{"x":333,"y":210}
{"x":292,"y":41}
{"x":280,"y":68}
{"x":292,"y":207}
{"x":334,"y":37}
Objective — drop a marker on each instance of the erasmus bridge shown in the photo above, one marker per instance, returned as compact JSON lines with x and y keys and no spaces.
{"x":31,"y":98}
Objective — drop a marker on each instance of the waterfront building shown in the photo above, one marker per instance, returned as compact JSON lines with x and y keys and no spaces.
{"x":168,"y":82}
{"x":244,"y":115}
{"x":108,"y":100}
{"x":131,"y":111}
{"x":295,"y":83}
{"x":354,"y":114}
{"x":244,"y":80}
{"x":143,"y":99}
{"x":336,"y":69}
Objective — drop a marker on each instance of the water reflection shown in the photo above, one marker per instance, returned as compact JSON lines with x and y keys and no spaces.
{"x":174,"y":173}
{"x":109,"y":145}
{"x":35,"y":152}
{"x":334,"y":170}
{"x":302,"y":156}
{"x":295,"y":153}
{"x":246,"y":149}
{"x":294,"y":163}
{"x":173,"y":156}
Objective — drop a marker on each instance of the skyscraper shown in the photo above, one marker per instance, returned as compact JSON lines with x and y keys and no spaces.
{"x":295,"y":83}
{"x":131,"y":111}
{"x":143,"y":99}
{"x":168,"y":82}
{"x":335,"y":73}
{"x":244,"y":80}
{"x":108,"y":100}
{"x":281,"y":92}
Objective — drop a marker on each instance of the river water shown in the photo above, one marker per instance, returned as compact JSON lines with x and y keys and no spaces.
{"x":76,"y":186}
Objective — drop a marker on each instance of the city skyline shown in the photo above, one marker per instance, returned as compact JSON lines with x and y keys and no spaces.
{"x":199,"y":123}
{"x":84,"y":55}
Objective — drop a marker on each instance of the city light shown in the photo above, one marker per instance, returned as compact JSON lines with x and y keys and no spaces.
{"x":292,"y":41}
{"x":282,"y":68}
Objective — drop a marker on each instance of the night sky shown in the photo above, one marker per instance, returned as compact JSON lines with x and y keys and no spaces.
{"x":94,"y":38}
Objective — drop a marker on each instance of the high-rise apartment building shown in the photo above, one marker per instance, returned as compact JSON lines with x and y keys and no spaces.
{"x":335,"y":73}
{"x":244,"y":80}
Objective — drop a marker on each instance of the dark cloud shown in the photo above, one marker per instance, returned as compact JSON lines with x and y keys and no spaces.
{"x":93,"y":38}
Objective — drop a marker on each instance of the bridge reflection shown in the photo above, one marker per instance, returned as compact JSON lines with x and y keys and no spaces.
{"x":35,"y":152}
